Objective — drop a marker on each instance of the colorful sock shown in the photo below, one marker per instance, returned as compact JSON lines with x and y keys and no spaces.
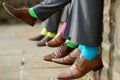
{"x":32,"y":13}
{"x":70,"y":44}
{"x":63,"y":27}
{"x":88,"y":52}
{"x":51,"y":35}
{"x":44,"y":32}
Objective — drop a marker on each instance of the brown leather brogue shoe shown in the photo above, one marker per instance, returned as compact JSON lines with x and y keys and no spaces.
{"x":43,"y":41}
{"x":56,"y":41}
{"x":62,"y":51}
{"x":37,"y":38}
{"x":69,"y":59}
{"x":80,"y":68}
{"x":21,"y":13}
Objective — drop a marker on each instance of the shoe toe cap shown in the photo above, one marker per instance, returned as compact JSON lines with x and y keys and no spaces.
{"x":47,"y":58}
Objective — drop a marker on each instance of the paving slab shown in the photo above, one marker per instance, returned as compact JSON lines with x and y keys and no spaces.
{"x":21,"y":59}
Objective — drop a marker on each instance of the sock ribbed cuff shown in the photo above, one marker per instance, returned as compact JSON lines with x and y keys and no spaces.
{"x":44,"y":32}
{"x":32,"y":13}
{"x":70,"y":44}
{"x":51,"y":35}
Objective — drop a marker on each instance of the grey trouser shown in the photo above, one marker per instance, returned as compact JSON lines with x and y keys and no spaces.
{"x":84,"y":22}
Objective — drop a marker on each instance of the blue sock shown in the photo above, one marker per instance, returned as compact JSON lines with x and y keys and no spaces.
{"x":88,"y":52}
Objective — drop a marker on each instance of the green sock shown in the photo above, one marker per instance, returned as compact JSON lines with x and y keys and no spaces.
{"x":70,"y":44}
{"x":51,"y":35}
{"x":44,"y":32}
{"x":32,"y":13}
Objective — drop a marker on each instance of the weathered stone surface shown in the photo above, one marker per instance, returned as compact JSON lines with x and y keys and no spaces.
{"x":111,"y":36}
{"x":21,"y":59}
{"x":116,"y":69}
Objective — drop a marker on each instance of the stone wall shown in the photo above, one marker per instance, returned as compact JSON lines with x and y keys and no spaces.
{"x":111,"y":38}
{"x":115,"y":24}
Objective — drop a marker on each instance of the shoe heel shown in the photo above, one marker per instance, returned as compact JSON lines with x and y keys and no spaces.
{"x":98,"y":68}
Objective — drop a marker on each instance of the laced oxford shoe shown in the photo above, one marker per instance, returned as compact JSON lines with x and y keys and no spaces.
{"x":37,"y":38}
{"x":62,"y":51}
{"x":69,"y":59}
{"x":43,"y":41}
{"x":21,"y":13}
{"x":56,"y":41}
{"x":80,"y":68}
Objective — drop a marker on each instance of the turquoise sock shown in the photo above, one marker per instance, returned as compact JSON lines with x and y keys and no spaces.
{"x":88,"y":52}
{"x":32,"y":13}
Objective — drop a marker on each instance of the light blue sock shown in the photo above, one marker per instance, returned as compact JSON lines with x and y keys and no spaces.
{"x":88,"y":52}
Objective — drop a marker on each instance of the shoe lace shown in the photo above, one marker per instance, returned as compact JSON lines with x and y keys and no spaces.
{"x":60,"y":50}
